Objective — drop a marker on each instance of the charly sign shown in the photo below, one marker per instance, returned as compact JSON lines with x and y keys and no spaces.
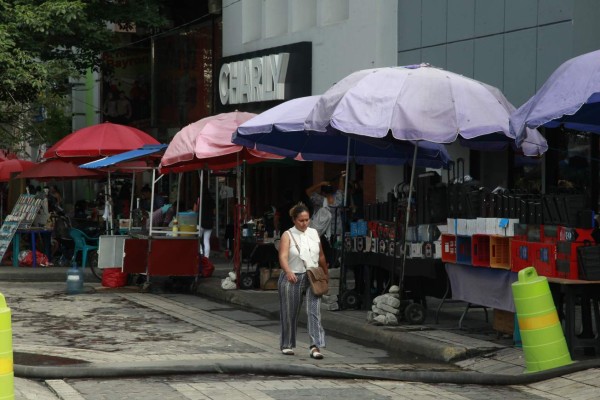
{"x":257,"y":80}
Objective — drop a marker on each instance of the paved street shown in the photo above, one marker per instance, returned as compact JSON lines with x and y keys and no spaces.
{"x":113,"y":326}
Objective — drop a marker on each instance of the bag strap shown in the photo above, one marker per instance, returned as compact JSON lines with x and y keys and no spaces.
{"x":294,"y":239}
{"x":289,"y":231}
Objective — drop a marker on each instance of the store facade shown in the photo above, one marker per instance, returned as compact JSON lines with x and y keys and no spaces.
{"x":513,"y":45}
{"x":325,"y":41}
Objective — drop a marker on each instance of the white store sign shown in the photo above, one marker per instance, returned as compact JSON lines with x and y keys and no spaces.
{"x":255,"y":79}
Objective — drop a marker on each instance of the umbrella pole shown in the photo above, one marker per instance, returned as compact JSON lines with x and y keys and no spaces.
{"x":343,"y":274}
{"x":106,"y":225}
{"x":132,"y":199}
{"x":347,"y":168}
{"x":178,"y":191}
{"x":152,"y":200}
{"x":238,"y":180}
{"x":217,"y":206}
{"x":410,"y":194}
{"x":200,"y":206}
{"x":110,"y":207}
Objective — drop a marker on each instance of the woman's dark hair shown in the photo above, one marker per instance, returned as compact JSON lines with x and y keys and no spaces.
{"x":297,"y":210}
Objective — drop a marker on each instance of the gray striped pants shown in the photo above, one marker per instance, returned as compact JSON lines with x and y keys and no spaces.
{"x":290,"y":301}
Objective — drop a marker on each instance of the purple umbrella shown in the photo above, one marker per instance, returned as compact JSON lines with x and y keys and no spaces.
{"x":570,"y":97}
{"x":418,"y":103}
{"x":280,"y":130}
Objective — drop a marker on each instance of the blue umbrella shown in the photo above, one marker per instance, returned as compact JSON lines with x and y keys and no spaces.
{"x":570,"y":97}
{"x":280,"y":130}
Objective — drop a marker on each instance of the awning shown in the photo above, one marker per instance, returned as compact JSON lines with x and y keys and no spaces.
{"x":128,"y":156}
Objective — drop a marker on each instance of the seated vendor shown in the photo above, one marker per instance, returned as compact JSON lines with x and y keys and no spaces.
{"x":163,"y":216}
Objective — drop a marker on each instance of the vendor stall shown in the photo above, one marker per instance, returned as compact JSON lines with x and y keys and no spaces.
{"x":148,"y":249}
{"x":206,"y":144}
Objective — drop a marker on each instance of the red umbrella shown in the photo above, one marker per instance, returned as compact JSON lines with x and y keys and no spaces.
{"x":105,"y":139}
{"x":57,"y":169}
{"x":10,"y":166}
{"x":207,"y":143}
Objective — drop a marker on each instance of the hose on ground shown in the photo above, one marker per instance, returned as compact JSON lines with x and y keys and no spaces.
{"x":143,"y":369}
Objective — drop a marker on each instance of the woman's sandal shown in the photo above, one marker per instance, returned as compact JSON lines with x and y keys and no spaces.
{"x":315,"y":353}
{"x":287,"y":352}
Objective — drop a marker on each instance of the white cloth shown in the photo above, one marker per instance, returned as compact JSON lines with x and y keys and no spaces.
{"x":309,"y":244}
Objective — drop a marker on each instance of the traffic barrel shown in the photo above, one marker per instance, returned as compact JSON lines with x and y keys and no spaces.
{"x":544,"y":343}
{"x":7,"y":385}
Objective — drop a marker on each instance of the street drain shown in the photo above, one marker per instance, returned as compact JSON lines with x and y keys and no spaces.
{"x":32,"y":359}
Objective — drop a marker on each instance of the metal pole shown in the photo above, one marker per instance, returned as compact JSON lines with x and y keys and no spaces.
{"x":153,"y":90}
{"x":217,"y":205}
{"x":132,"y":199}
{"x":201,"y":200}
{"x":107,"y":226}
{"x":410,"y":193}
{"x":110,"y":207}
{"x":347,"y":173}
{"x":152,"y":201}
{"x":178,"y":191}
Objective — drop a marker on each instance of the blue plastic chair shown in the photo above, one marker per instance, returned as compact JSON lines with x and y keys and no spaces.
{"x":83,"y":243}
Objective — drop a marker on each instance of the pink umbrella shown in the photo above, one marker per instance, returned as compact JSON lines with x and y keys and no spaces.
{"x":207,"y":143}
{"x":11,"y":166}
{"x":101,"y":140}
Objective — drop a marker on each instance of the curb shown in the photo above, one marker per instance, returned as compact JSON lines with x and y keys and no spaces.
{"x":394,"y":341}
{"x":48,"y":274}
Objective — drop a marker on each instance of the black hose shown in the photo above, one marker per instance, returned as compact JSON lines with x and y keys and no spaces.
{"x":141,"y":369}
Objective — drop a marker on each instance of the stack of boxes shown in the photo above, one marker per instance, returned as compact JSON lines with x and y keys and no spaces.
{"x":508,"y":244}
{"x":481,"y":242}
{"x":423,"y":241}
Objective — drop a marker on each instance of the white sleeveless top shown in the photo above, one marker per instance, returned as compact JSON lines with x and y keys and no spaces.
{"x":309,"y":242}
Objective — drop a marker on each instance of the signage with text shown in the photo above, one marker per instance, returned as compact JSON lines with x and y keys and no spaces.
{"x":259,"y":80}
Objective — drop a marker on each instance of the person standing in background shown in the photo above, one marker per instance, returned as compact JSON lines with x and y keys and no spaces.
{"x":321,"y":195}
{"x":207,"y":207}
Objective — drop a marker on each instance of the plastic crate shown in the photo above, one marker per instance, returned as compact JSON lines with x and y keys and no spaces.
{"x":575,"y":234}
{"x":480,"y":250}
{"x":500,"y":252}
{"x":544,"y":259}
{"x":448,"y":248}
{"x":463,"y":250}
{"x":520,"y":255}
{"x":567,"y":265}
{"x":534,"y":233}
{"x":549,"y":233}
{"x":521,"y":232}
{"x":567,"y":269}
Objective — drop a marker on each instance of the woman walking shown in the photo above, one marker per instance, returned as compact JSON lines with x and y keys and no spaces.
{"x":300,"y":248}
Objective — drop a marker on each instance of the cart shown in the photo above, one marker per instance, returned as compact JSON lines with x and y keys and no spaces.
{"x":149,"y":252}
{"x":257,"y":255}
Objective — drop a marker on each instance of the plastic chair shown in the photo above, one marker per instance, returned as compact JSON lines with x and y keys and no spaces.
{"x":83,"y":243}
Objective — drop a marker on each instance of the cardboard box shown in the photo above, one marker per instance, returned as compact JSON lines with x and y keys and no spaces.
{"x":461,"y":227}
{"x":471,"y":227}
{"x":481,"y":226}
{"x":490,"y":226}
{"x":437,"y":252}
{"x":269,"y":278}
{"x":504,"y":322}
{"x":416,"y":250}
